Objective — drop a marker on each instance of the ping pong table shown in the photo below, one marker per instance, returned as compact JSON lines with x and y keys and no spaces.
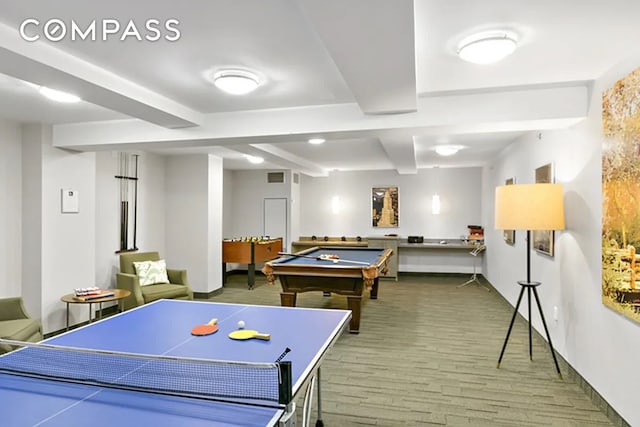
{"x":163,"y":328}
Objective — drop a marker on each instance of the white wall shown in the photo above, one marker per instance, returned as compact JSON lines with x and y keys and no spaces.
{"x":31,"y":283}
{"x":215,"y":185}
{"x":68,"y":240}
{"x":227,"y":203}
{"x":46,"y":254}
{"x":11,"y":211}
{"x":294,"y":210}
{"x":187,"y":217}
{"x":151,"y":212}
{"x":152,"y":203}
{"x":310,"y":209}
{"x":459,"y":190}
{"x":107,"y":219}
{"x":193,"y":216}
{"x":600,"y":344}
{"x":249,"y":189}
{"x":67,"y":251}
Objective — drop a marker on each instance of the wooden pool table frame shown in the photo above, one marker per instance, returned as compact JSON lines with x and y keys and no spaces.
{"x":340,"y":278}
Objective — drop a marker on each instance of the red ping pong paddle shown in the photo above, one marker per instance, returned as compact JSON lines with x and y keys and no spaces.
{"x":206,"y":329}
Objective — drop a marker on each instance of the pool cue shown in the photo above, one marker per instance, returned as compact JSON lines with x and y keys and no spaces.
{"x":124,"y":204}
{"x":325,"y":259}
{"x":135,"y":202}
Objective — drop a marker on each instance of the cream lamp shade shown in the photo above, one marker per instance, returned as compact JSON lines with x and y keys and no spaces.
{"x":529,"y":207}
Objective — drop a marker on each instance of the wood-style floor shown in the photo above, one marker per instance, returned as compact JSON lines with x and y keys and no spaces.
{"x":426,"y":356}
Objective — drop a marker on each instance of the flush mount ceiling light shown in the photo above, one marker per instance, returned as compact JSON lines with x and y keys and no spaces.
{"x":236,"y":82}
{"x":487,"y":47}
{"x":316,"y":141}
{"x":254,"y":159}
{"x":58,"y":96}
{"x":448,"y":150}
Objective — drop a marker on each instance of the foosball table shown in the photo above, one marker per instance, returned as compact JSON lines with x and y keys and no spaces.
{"x":250,"y":250}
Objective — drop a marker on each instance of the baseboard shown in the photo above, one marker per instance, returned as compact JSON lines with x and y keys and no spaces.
{"x":593,"y":394}
{"x":238,"y":271}
{"x":432,"y":274}
{"x":207,"y":295}
{"x":572,"y":374}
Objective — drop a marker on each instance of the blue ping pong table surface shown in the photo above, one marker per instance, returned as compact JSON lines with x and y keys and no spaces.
{"x":163,"y":328}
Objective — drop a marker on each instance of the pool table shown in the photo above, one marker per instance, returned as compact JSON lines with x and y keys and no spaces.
{"x":355,"y":269}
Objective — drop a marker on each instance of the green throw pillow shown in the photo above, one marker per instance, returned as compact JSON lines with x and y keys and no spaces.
{"x":151,"y":272}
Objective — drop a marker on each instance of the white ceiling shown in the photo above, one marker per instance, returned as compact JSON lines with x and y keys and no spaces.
{"x":378,"y":79}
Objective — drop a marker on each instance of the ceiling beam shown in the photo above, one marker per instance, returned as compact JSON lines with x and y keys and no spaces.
{"x":372,"y":42}
{"x":402,"y":153}
{"x":291,"y":161}
{"x":496,"y":111}
{"x":45,"y":65}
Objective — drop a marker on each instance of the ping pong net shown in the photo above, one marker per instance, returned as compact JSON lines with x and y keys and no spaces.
{"x":263,"y":384}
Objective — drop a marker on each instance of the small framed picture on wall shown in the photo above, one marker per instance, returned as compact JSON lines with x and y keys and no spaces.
{"x":384,"y":207}
{"x":509,"y":235}
{"x":543,"y":239}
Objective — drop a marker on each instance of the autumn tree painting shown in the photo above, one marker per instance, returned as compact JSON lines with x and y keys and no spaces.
{"x":621,"y":196}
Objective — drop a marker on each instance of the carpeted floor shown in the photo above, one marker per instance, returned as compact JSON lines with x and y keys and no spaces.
{"x":426,"y":356}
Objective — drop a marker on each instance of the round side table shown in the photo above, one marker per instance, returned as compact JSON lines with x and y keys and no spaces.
{"x":118,"y":294}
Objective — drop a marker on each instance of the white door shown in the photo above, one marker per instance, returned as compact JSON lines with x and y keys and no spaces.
{"x":276,"y":220}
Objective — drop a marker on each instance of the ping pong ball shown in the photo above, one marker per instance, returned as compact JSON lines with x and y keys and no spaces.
{"x":240,"y":324}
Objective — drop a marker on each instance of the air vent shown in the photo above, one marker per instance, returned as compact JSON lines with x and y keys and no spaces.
{"x":296,"y":178}
{"x":275,"y":177}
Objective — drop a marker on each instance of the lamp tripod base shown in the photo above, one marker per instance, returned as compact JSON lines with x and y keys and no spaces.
{"x":474,"y":279}
{"x":529,"y":286}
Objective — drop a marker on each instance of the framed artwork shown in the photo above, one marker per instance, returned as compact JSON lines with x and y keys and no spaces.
{"x":620,"y":194}
{"x":384,"y":207}
{"x":543,"y":239}
{"x":509,"y":235}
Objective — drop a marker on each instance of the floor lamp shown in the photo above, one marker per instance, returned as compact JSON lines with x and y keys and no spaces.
{"x":529,"y":207}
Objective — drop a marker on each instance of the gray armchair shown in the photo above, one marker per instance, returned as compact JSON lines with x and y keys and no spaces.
{"x":177,"y":288}
{"x":15,"y":323}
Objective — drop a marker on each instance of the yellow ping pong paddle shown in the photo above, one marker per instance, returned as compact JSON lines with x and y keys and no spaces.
{"x":206,"y":329}
{"x":246,"y":334}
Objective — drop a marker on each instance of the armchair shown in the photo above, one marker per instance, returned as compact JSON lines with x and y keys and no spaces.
{"x":177,"y":288}
{"x":15,"y":323}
